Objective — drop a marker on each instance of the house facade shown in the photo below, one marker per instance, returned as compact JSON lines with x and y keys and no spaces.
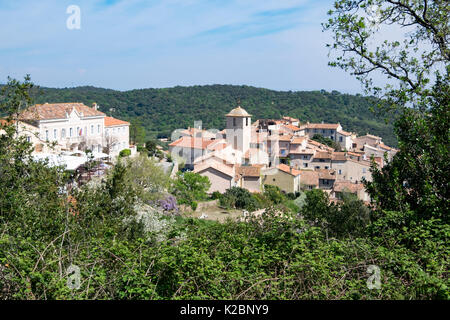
{"x":72,"y":126}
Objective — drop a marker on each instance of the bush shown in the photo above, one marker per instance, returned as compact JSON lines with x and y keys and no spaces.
{"x":238,"y":198}
{"x":274,"y":193}
{"x":216,"y":195}
{"x":194,"y":205}
{"x":125,"y":153}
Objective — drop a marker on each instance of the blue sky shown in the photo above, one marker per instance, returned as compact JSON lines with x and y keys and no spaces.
{"x":130,"y":44}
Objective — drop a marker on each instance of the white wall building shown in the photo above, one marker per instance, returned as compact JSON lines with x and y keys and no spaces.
{"x":75,"y":126}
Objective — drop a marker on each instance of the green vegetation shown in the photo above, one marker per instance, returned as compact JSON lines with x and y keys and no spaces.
{"x":190,"y":187}
{"x":327,"y":141}
{"x":125,"y":153}
{"x":160,"y":111}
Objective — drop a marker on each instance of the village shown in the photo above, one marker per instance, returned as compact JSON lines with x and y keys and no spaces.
{"x":281,"y":152}
{"x":285,"y":153}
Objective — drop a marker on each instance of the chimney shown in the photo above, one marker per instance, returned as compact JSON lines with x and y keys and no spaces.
{"x":95,"y":106}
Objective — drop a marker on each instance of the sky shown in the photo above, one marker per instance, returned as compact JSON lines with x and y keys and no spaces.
{"x":134,"y":44}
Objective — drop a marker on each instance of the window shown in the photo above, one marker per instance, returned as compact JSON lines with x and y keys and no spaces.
{"x":305,"y":165}
{"x":326,"y":167}
{"x":234,"y":122}
{"x":63,"y":133}
{"x":55,"y":134}
{"x":28,"y":139}
{"x":317,"y":167}
{"x":305,"y":157}
{"x":46,"y":135}
{"x":85,"y":131}
{"x":70,"y":132}
{"x":78,"y":131}
{"x":339,"y":171}
{"x":114,"y":130}
{"x":98,"y":129}
{"x":246,"y":121}
{"x":340,"y":139}
{"x":92,"y":129}
{"x":323,"y":131}
{"x":364,"y":170}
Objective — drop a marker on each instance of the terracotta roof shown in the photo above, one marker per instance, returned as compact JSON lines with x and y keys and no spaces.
{"x":249,"y":171}
{"x":383,"y":146}
{"x":322,"y":125}
{"x":298,"y":140}
{"x":286,"y":137}
{"x":303,"y":151}
{"x":344,"y":133}
{"x":342,"y":186}
{"x":238,"y":112}
{"x":339,"y":156}
{"x":322,"y":155}
{"x":189,"y":142}
{"x":309,"y":177}
{"x":111,"y":122}
{"x":229,"y":171}
{"x":49,"y":111}
{"x":328,"y":174}
{"x":285,"y":168}
{"x":291,"y":127}
{"x":371,"y":136}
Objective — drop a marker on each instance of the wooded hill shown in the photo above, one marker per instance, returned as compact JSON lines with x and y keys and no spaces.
{"x":160,"y":111}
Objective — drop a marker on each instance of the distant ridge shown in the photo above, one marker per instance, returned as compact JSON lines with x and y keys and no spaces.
{"x":161,"y":111}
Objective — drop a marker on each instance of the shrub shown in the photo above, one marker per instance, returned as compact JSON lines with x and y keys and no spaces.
{"x":216,"y":195}
{"x":125,"y":153}
{"x":194,"y":205}
{"x":238,"y":198}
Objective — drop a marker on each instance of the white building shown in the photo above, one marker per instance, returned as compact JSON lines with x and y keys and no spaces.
{"x":75,"y":126}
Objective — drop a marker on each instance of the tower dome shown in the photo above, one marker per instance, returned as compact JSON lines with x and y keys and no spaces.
{"x":238,"y":112}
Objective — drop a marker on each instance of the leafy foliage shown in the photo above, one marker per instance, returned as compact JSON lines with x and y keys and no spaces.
{"x":189,"y":187}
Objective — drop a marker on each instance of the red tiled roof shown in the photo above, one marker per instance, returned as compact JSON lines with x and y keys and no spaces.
{"x":249,"y":171}
{"x":345,"y":133}
{"x":322,"y":155}
{"x":285,"y":168}
{"x":189,"y":142}
{"x":340,"y":186}
{"x":298,"y":140}
{"x":49,"y":111}
{"x":111,"y":122}
{"x":309,"y":177}
{"x":328,"y":174}
{"x":322,"y":125}
{"x":291,"y":127}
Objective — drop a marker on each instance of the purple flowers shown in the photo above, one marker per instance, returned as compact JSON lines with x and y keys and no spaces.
{"x":169,"y":203}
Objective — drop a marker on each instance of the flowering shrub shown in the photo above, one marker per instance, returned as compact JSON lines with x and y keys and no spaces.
{"x":169,"y":203}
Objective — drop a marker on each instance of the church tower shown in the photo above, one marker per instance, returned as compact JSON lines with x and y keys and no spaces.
{"x":238,"y":129}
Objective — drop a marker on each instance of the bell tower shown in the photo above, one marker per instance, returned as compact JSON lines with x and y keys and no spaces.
{"x":238,"y":129}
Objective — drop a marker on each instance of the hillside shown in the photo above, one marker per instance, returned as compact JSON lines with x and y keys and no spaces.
{"x":160,"y":111}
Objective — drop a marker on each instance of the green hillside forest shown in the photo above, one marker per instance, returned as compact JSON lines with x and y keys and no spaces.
{"x":160,"y":111}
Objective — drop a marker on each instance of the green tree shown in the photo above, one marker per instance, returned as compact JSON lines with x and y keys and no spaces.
{"x":145,"y":178}
{"x":189,"y":187}
{"x":238,"y":198}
